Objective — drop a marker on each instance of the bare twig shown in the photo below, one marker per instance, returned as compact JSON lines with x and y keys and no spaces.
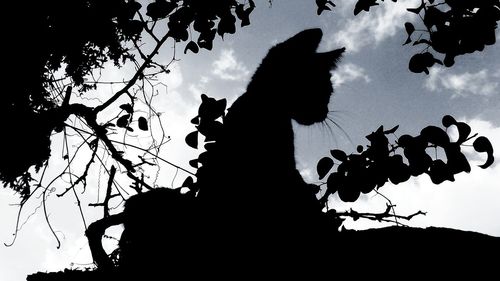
{"x":377,"y":216}
{"x":132,"y":81}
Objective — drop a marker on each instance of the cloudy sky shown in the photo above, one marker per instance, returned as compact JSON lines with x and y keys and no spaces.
{"x":373,"y":87}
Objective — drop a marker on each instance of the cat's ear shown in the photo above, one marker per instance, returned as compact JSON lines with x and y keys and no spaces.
{"x":306,"y":41}
{"x":331,"y":57}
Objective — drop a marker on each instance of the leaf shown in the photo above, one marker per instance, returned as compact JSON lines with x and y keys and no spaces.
{"x":448,"y":120}
{"x":420,"y":62}
{"x":191,"y":46}
{"x":439,"y":172}
{"x":127,"y":107}
{"x":456,"y":160}
{"x":348,"y":193}
{"x":325,"y":164}
{"x":192,"y":139}
{"x":143,"y":123}
{"x":364,"y":5}
{"x":435,"y":135}
{"x":339,"y":155}
{"x":122,"y":122}
{"x":359,"y":148}
{"x":188,"y":182}
{"x":463,"y":131}
{"x":193,"y":163}
{"x":244,"y":14}
{"x":482,"y":144}
{"x":195,"y":120}
{"x":333,"y":182}
{"x":391,"y":131}
{"x":409,"y":30}
{"x":160,"y":9}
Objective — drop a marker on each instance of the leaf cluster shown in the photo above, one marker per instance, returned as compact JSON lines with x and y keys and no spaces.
{"x":208,"y":18}
{"x":125,"y":119}
{"x":453,"y":28}
{"x":379,"y":163}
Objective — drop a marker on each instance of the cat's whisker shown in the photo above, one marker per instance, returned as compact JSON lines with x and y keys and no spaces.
{"x":326,"y":125}
{"x":328,"y":118}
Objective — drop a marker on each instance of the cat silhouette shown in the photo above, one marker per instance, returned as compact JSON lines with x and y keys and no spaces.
{"x":250,"y":190}
{"x":252,"y":201}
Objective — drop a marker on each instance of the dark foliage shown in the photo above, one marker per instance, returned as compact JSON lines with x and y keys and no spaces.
{"x":380,"y":162}
{"x":451,"y":28}
{"x":80,"y":36}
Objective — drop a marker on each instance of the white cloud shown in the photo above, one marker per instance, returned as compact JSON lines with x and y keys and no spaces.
{"x":174,"y":79}
{"x":347,"y":73}
{"x":482,"y":83}
{"x":370,"y":28}
{"x":227,"y":67}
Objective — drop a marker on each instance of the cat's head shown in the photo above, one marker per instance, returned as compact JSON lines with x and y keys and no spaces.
{"x":297,"y":78}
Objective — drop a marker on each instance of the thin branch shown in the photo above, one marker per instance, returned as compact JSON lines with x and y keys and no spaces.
{"x":377,"y":216}
{"x":83,"y":177}
{"x":108,"y":191}
{"x":44,"y":201}
{"x":139,"y":148}
{"x":71,"y":177}
{"x":132,"y":81}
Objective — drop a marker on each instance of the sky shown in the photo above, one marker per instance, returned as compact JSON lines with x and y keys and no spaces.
{"x":373,"y":87}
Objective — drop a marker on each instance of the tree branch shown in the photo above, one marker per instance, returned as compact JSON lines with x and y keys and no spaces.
{"x":374,"y":216}
{"x":94,"y":235}
{"x":134,"y":79}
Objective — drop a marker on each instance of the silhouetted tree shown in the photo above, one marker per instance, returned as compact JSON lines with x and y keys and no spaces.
{"x":75,"y":38}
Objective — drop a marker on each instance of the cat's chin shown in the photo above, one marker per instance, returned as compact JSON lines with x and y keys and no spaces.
{"x":318,"y":117}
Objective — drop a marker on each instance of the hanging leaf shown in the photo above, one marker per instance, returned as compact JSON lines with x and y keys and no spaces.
{"x":440,"y":172}
{"x":143,"y":123}
{"x":339,"y":155}
{"x":244,"y":14}
{"x":160,"y":9}
{"x":364,"y":5}
{"x":188,"y":182}
{"x":324,"y":166}
{"x":409,"y":30}
{"x":448,"y":120}
{"x":421,"y":62}
{"x":127,"y":107}
{"x":457,"y":162}
{"x":122,"y":122}
{"x":482,"y":144}
{"x":333,"y":182}
{"x":193,"y":163}
{"x":463,"y":131}
{"x":435,"y":135}
{"x":391,"y":131}
{"x":192,"y":139}
{"x":195,"y":120}
{"x":322,"y":6}
{"x":191,"y":46}
{"x":348,"y":193}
